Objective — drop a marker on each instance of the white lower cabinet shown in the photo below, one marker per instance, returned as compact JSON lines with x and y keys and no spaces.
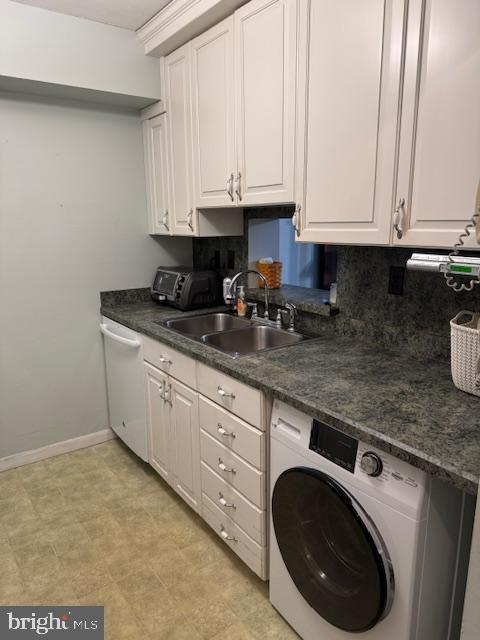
{"x":234,"y":505}
{"x":211,"y":450}
{"x":158,"y":421}
{"x":173,"y":433}
{"x":234,"y":464}
{"x":254,"y":555}
{"x":185,"y":441}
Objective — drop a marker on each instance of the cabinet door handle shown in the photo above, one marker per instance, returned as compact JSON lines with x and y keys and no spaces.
{"x":238,"y":186}
{"x":225,"y":535}
{"x":296,"y":219}
{"x":398,"y":217}
{"x":165,"y":220}
{"x":224,"y":503}
{"x":225,"y":394}
{"x":164,"y":360}
{"x":189,"y":219}
{"x":223,"y":432}
{"x":167,"y":394}
{"x":223,"y":467}
{"x":230,"y":187}
{"x":161,"y":390}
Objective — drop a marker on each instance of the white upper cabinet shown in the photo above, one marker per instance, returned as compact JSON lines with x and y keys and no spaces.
{"x":265,"y":69}
{"x":439,"y":154}
{"x":349,"y":79}
{"x":177,"y":101}
{"x":155,"y":148}
{"x":213,"y":116}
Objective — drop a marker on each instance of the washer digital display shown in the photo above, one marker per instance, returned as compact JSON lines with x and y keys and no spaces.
{"x":333,"y":445}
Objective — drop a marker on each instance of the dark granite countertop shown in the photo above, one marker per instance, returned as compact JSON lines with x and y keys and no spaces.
{"x":404,"y":406}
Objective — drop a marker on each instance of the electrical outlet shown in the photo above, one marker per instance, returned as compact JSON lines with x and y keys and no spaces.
{"x":396,"y":279}
{"x":231,"y":259}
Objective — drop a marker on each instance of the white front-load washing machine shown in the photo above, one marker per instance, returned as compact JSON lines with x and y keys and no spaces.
{"x":362,"y":544}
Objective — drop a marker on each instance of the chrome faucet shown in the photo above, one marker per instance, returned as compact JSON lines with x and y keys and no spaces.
{"x":229,"y":295}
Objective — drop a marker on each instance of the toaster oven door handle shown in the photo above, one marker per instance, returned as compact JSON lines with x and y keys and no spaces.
{"x":114,"y":336}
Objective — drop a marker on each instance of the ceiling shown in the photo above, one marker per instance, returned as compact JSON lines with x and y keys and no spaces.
{"x":129,"y":14}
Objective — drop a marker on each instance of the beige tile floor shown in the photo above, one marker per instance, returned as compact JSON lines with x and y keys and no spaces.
{"x":98,"y":526}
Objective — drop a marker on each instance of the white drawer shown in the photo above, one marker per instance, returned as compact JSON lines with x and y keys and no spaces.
{"x":233,"y":504}
{"x":233,"y":469}
{"x":233,"y":395}
{"x":173,"y":362}
{"x":245,"y":440}
{"x":247,"y":549}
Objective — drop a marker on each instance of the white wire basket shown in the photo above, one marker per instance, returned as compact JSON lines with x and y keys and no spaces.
{"x":465,"y":335}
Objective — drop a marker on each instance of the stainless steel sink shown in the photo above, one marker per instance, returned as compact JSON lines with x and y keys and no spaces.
{"x":196,"y":326}
{"x":240,"y":342}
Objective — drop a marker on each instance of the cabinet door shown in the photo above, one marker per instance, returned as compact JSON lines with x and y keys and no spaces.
{"x":349,"y":78}
{"x":439,"y":157}
{"x":158,"y":422}
{"x":213,"y":116}
{"x":178,"y":104}
{"x":186,"y":442}
{"x":265,"y":67}
{"x":155,"y":147}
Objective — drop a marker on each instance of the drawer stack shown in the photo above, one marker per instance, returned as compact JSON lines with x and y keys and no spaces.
{"x":233,"y":419}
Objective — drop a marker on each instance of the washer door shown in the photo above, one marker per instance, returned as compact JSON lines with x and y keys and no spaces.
{"x":332,"y":550}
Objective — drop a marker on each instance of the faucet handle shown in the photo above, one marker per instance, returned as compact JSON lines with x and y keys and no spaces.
{"x":292,"y":312}
{"x":227,"y":291}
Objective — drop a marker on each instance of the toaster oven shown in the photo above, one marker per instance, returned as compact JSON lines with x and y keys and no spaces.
{"x":186,"y":288}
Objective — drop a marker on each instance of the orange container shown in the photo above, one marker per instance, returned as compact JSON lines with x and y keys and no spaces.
{"x":273,"y":274}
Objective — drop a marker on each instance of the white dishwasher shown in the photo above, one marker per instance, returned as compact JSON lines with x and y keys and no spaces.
{"x":125,"y":386}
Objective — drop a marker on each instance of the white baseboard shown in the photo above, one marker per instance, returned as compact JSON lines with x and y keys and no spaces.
{"x":56,"y":449}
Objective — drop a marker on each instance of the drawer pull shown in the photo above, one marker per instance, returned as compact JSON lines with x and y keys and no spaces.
{"x":224,"y":503}
{"x":222,"y":466}
{"x":165,"y":360}
{"x":223,"y":432}
{"x":224,"y":394}
{"x":225,"y":535}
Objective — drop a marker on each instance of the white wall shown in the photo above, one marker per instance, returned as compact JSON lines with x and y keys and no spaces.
{"x":50,"y":47}
{"x":72,"y":223}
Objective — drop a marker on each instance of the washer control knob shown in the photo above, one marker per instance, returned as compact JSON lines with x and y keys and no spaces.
{"x":372,"y":464}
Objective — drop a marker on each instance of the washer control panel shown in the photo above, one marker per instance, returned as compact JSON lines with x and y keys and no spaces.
{"x":387,"y":469}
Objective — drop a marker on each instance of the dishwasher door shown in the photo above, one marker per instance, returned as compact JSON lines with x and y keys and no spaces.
{"x":125,"y":386}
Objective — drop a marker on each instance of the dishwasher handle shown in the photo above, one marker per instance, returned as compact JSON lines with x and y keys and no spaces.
{"x":114,"y":336}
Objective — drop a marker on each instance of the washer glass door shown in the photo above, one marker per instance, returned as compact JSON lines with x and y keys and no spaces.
{"x":331,"y":549}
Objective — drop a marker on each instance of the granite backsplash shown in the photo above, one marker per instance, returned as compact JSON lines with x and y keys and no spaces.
{"x":416,"y":322}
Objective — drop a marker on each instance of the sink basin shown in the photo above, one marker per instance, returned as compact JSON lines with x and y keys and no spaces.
{"x":196,"y":326}
{"x":240,"y":342}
